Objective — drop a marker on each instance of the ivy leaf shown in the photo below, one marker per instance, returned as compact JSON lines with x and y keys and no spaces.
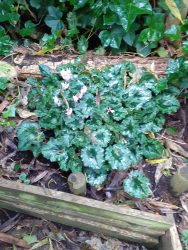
{"x":111,"y":38}
{"x":185,"y":46}
{"x":134,"y":8}
{"x":72,"y":24}
{"x":3,"y":83}
{"x":30,"y":137}
{"x":93,"y":156}
{"x":82,"y":45}
{"x":173,"y":32}
{"x":30,"y":239}
{"x":45,"y":70}
{"x":120,"y":157}
{"x":137,"y":185}
{"x":155,"y":29}
{"x":10,"y":111}
{"x":80,"y":3}
{"x":28,"y":30}
{"x":36,"y":3}
{"x":53,"y":19}
{"x":6,"y":45}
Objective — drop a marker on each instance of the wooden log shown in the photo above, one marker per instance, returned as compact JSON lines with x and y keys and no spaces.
{"x":88,"y":214}
{"x":28,"y":64}
{"x":170,"y":241}
{"x":82,"y":223}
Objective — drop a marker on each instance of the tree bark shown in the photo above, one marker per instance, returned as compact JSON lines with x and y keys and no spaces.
{"x":27,"y":65}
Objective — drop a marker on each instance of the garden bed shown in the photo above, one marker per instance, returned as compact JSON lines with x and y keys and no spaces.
{"x":27,"y":197}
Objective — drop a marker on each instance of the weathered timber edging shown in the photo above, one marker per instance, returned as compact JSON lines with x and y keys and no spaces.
{"x":84,"y":213}
{"x":27,"y":65}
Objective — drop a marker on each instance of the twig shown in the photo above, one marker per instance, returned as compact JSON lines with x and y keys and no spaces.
{"x":182,"y":143}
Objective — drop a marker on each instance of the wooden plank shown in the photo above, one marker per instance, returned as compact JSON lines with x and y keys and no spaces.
{"x":170,"y":241}
{"x":113,"y":222}
{"x":81,"y":223}
{"x":60,"y":200}
{"x":27,"y":65}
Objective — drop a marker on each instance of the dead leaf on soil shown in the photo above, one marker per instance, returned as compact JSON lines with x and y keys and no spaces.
{"x":174,"y":9}
{"x":184,"y":203}
{"x":25,"y":113}
{"x":180,"y":149}
{"x":39,"y":176}
{"x":162,"y":166}
{"x":135,"y":76}
{"x":156,"y":161}
{"x":160,"y":204}
{"x":95,"y":243}
{"x":13,"y":240}
{"x":4,"y":104}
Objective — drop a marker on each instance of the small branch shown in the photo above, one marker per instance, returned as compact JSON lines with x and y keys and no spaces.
{"x":13,"y":240}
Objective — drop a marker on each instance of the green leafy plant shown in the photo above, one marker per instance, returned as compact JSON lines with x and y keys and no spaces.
{"x":98,"y":123}
{"x":185,"y":238}
{"x":119,"y":26}
{"x":23,"y":178}
{"x":137,"y":185}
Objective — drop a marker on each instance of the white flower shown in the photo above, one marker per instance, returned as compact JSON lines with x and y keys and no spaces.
{"x":66,"y":74}
{"x":69,"y":111}
{"x":109,"y":110}
{"x":83,"y":90}
{"x":57,"y":101}
{"x":76,"y":98}
{"x":64,"y":85}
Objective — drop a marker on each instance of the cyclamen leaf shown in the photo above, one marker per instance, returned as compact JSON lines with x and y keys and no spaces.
{"x":93,"y":156}
{"x":137,"y":96}
{"x":30,"y":137}
{"x":102,"y":137}
{"x":152,"y":149}
{"x":54,"y":150}
{"x":120,"y":157}
{"x":167,"y":104}
{"x":137,"y":185}
{"x":95,"y":179}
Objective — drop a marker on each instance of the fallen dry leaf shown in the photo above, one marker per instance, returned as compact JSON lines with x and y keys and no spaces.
{"x":162,"y":166}
{"x":4,"y":104}
{"x":160,"y":204}
{"x":174,"y":9}
{"x":180,"y":149}
{"x":39,"y":176}
{"x":25,"y":113}
{"x":13,"y":240}
{"x":156,"y":161}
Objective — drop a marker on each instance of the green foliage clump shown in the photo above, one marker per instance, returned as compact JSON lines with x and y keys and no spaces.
{"x":137,"y":185}
{"x":117,"y":25}
{"x":185,"y":238}
{"x":99,"y":122}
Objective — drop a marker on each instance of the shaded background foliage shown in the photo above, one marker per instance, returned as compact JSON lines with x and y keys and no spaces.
{"x":117,"y":26}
